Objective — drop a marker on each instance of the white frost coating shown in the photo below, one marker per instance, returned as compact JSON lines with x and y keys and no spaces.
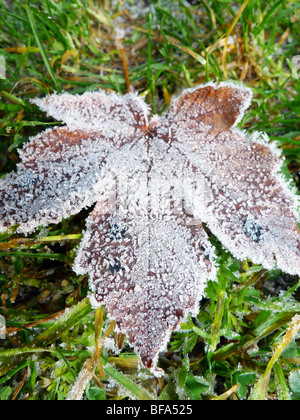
{"x":145,"y":249}
{"x":168,"y":265}
{"x":242,"y":183}
{"x":63,"y":169}
{"x":96,"y":110}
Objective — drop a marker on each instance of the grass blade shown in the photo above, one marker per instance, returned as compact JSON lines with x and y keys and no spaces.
{"x":41,"y":48}
{"x":133,"y":388}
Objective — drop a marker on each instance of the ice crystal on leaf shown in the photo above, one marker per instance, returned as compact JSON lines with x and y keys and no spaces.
{"x":154,"y":183}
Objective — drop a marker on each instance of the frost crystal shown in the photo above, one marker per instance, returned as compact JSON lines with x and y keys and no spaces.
{"x":155,"y":184}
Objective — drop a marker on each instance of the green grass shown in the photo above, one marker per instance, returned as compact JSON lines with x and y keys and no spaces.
{"x":243,"y":343}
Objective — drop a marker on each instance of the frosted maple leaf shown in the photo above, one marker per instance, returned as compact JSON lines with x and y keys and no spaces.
{"x":154,"y":182}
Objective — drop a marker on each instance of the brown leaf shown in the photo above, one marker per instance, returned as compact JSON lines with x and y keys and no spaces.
{"x":149,"y":272}
{"x":218,"y":108}
{"x":62,"y":168}
{"x":145,"y":248}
